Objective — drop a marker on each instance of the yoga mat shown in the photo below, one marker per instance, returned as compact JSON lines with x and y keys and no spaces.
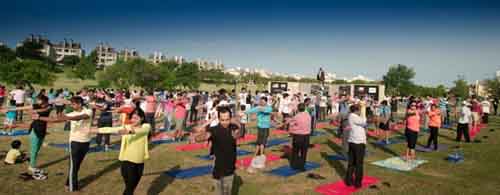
{"x":279,"y":132}
{"x":318,"y":133}
{"x":161,"y":136}
{"x":339,"y":187}
{"x":167,"y":141}
{"x":322,"y":125}
{"x":191,"y":147}
{"x":391,"y":141}
{"x":455,"y":158}
{"x":397,"y":163}
{"x":210,"y":157}
{"x":441,"y":147}
{"x":247,"y":138}
{"x":287,"y":171}
{"x":336,"y":157}
{"x":245,"y":162}
{"x":15,"y":133}
{"x":65,"y":146}
{"x":190,"y":172}
{"x":336,"y":140}
{"x":275,"y":142}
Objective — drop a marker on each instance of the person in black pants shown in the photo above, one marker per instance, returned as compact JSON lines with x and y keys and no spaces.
{"x":131,"y":173}
{"x":357,"y":146}
{"x":434,"y":123}
{"x":193,"y":117}
{"x":463,"y":130}
{"x":105,"y":120}
{"x":495,"y":106}
{"x":463,"y":122}
{"x":300,"y":131}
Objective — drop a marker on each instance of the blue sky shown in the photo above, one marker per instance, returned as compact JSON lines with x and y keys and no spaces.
{"x":440,"y":39}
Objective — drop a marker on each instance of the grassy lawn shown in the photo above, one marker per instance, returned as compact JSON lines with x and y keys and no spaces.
{"x":100,"y":172}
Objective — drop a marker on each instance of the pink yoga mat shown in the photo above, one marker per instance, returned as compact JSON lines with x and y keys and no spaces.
{"x":191,"y":147}
{"x":339,"y":188}
{"x":336,"y":140}
{"x":245,"y":162}
{"x":161,"y":136}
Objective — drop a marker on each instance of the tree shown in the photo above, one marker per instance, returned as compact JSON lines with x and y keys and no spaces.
{"x":398,"y":80}
{"x":6,"y":54}
{"x":187,"y":75}
{"x":493,"y":87}
{"x":26,"y":72}
{"x":70,"y":61}
{"x":461,"y":89}
{"x":30,"y":50}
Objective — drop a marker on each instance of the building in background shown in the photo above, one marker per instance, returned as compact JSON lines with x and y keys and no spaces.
{"x":206,"y":65}
{"x":498,"y":75}
{"x":128,"y":54}
{"x":65,"y":48}
{"x":157,"y":57}
{"x":47,"y":49}
{"x":106,"y":55}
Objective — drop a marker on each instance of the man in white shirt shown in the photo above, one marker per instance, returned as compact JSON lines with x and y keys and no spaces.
{"x":485,"y":106}
{"x":463,"y":122}
{"x":18,"y":95}
{"x":284,"y":108}
{"x":357,"y":146}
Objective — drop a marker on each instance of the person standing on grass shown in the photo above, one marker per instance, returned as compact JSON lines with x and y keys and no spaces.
{"x":495,"y":105}
{"x":357,"y":146}
{"x":18,"y":95}
{"x":223,"y":137}
{"x":104,"y":105}
{"x":485,"y":107}
{"x":134,"y":148}
{"x":434,"y":125}
{"x":300,"y":129}
{"x":150,"y":110}
{"x":180,"y":114}
{"x":384,"y":116}
{"x":465,"y":118}
{"x":79,"y":137}
{"x":412,"y":129}
{"x":263,"y":111}
{"x":476,"y":113}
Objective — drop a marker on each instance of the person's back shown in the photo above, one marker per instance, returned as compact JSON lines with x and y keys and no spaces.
{"x":357,"y":132}
{"x":465,"y":115}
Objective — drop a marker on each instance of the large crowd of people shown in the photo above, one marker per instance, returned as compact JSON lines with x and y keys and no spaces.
{"x":220,"y":118}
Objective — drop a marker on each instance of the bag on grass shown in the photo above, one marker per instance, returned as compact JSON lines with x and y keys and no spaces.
{"x":258,"y":162}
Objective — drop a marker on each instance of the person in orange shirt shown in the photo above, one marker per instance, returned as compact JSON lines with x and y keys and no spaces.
{"x":434,"y":125}
{"x":412,"y":129}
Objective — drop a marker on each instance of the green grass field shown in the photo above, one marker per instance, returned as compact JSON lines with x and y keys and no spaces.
{"x":100,"y":172}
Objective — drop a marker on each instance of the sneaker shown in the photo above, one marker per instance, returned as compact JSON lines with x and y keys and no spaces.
{"x":39,"y":176}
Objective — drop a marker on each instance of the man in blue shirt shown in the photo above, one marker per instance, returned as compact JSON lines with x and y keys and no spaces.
{"x":263,"y":111}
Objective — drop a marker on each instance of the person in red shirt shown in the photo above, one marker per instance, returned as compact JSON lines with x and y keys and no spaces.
{"x":412,"y":129}
{"x":476,"y":113}
{"x":434,"y":125}
{"x":300,"y":129}
{"x":150,"y":111}
{"x":180,"y":114}
{"x":2,"y":95}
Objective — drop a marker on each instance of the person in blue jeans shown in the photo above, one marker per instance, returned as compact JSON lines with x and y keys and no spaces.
{"x":263,"y":111}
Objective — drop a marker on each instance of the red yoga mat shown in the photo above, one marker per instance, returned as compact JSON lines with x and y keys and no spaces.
{"x":247,"y":138}
{"x":191,"y":147}
{"x":336,"y":140}
{"x":245,"y":162}
{"x":339,"y":188}
{"x":279,"y":132}
{"x":322,"y":125}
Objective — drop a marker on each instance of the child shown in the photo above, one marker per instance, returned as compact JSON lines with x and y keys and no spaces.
{"x":243,"y":120}
{"x":10,"y":117}
{"x":15,"y":156}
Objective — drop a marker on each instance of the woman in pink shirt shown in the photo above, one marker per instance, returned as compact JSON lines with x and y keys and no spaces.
{"x":300,"y":129}
{"x":150,"y":111}
{"x":180,"y":114}
{"x":412,"y":129}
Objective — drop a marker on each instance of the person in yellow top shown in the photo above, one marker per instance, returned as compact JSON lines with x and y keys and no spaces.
{"x":134,"y":148}
{"x":14,"y":155}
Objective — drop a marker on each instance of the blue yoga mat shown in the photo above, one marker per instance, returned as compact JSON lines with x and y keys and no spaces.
{"x":15,"y":133}
{"x":191,"y":172}
{"x":318,"y":133}
{"x":287,"y":171}
{"x":169,"y":141}
{"x":336,"y":157}
{"x":391,"y":141}
{"x":275,"y":142}
{"x":238,"y":153}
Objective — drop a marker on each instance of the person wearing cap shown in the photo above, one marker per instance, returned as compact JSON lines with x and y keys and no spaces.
{"x":463,"y":122}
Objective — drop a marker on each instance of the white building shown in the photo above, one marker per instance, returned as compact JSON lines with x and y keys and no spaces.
{"x":106,"y":55}
{"x":47,"y":50}
{"x":157,"y":57}
{"x":128,"y":54}
{"x":66,"y":48}
{"x":207,"y":65}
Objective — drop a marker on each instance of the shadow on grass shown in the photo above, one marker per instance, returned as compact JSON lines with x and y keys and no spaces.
{"x":237,"y":183}
{"x":336,"y":164}
{"x":159,"y":184}
{"x":385,"y":149}
{"x":54,"y":162}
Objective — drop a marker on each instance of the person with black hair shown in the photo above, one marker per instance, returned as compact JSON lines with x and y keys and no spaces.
{"x":79,"y":137}
{"x":104,"y":105}
{"x":263,"y":112}
{"x":14,"y":155}
{"x":300,"y":129}
{"x":357,"y":146}
{"x":134,"y":148}
{"x":223,"y":137}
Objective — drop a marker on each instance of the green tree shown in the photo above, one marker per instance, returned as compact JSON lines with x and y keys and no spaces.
{"x":188,"y":75}
{"x":461,"y":89}
{"x":70,"y":61}
{"x":26,"y":72}
{"x":6,"y":54}
{"x":398,"y":80}
{"x":493,"y":87}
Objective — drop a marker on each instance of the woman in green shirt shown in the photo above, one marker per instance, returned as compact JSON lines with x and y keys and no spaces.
{"x":134,"y":148}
